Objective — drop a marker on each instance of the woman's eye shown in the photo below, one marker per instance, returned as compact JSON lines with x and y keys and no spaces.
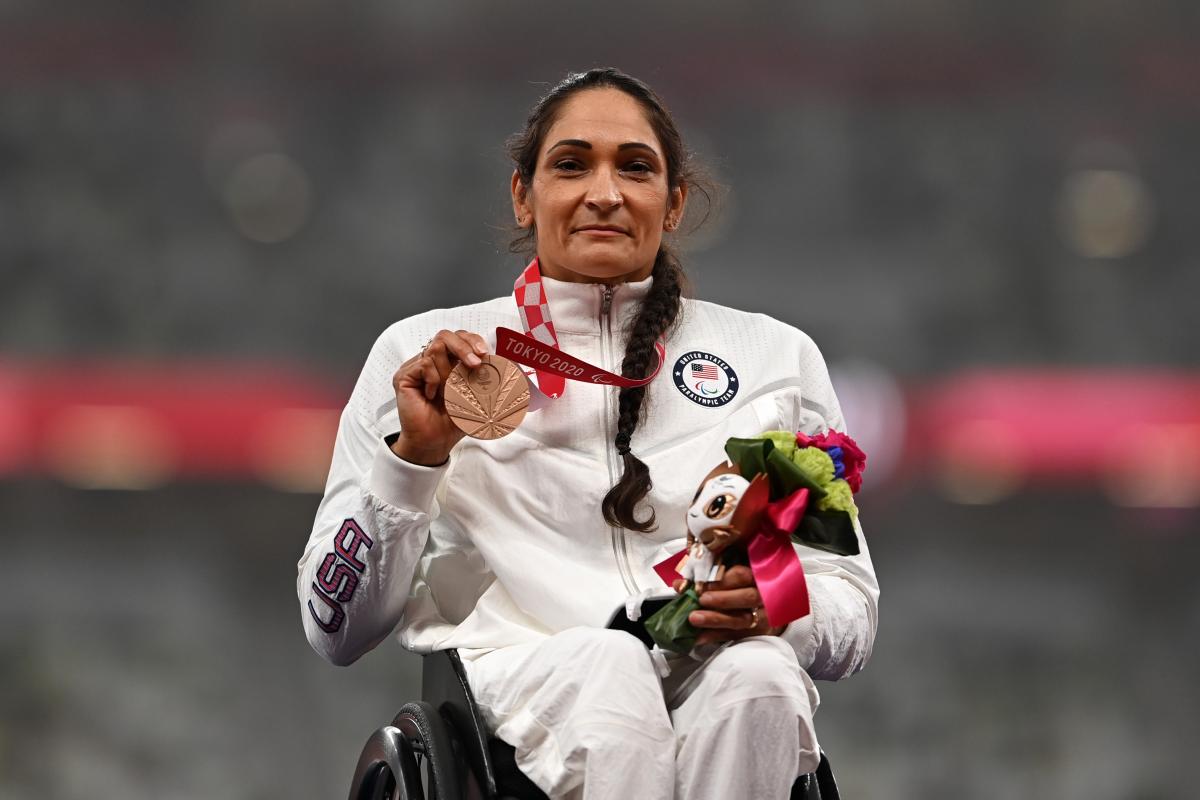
{"x":719,"y":506}
{"x":568,"y":165}
{"x":639,"y":166}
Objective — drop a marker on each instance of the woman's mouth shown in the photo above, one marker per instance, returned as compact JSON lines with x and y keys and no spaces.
{"x":601,"y":231}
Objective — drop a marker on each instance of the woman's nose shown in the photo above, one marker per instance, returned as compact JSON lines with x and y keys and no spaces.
{"x":603,"y":194}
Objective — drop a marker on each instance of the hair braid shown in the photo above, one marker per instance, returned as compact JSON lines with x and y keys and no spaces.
{"x":658,"y":313}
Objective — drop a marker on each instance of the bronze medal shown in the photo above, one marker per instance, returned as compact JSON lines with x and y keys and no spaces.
{"x":489,"y":401}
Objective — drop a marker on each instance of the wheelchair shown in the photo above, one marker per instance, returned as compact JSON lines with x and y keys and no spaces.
{"x":439,"y":748}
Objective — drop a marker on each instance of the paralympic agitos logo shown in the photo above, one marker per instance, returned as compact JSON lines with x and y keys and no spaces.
{"x":705,"y":379}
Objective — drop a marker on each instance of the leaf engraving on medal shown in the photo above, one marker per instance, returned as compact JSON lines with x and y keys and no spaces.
{"x":489,"y":401}
{"x":459,"y":382}
{"x":456,"y":410}
{"x":521,"y":398}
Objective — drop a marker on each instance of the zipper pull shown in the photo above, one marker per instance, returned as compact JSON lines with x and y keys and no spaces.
{"x":606,"y":300}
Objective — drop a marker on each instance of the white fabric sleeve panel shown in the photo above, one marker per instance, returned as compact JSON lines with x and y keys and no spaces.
{"x":836,"y":638}
{"x":369,"y":531}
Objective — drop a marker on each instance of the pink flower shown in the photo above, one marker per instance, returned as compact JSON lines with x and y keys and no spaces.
{"x":852,"y":458}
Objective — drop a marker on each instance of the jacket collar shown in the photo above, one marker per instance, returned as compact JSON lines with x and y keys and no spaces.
{"x":578,"y":307}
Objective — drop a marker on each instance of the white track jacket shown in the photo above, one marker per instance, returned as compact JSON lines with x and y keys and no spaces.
{"x":505,"y":543}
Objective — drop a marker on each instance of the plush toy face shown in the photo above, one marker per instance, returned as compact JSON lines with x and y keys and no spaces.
{"x":710,"y":517}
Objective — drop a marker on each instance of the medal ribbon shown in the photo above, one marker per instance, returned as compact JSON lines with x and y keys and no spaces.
{"x":538,"y":348}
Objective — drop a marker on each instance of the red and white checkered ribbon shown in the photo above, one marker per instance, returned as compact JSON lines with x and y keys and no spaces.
{"x":535,"y":319}
{"x":538,"y":347}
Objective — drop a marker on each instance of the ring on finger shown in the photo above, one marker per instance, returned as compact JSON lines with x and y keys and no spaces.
{"x":753,"y":618}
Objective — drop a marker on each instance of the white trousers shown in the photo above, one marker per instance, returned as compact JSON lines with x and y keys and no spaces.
{"x":589,"y":717}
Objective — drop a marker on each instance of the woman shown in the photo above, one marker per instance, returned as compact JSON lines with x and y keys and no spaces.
{"x":517,"y":550}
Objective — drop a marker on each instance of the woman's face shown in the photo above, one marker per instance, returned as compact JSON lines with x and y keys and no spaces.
{"x":599,"y":200}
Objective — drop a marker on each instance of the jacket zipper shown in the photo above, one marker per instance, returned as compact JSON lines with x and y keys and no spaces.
{"x":618,"y":534}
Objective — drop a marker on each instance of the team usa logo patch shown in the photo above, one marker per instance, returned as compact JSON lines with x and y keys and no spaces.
{"x":705,"y":379}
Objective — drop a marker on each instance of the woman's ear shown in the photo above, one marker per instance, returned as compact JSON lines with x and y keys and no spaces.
{"x":520,"y":201}
{"x":675,"y":208}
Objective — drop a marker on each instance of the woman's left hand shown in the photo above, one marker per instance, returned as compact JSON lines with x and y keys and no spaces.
{"x":733,"y":609}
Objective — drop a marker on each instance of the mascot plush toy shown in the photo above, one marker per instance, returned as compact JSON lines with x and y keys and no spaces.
{"x":718,"y":518}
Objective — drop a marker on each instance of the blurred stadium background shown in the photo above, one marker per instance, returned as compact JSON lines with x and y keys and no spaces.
{"x":985,"y":213}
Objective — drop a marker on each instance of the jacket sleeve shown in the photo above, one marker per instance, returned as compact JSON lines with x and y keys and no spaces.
{"x":836,"y":638}
{"x":370,"y":529}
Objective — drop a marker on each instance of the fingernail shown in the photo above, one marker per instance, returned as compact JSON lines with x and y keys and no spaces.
{"x":481,"y":347}
{"x":473,"y":360}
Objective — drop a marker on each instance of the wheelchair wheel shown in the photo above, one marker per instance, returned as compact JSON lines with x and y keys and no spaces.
{"x":387,"y":769}
{"x":429,"y":739}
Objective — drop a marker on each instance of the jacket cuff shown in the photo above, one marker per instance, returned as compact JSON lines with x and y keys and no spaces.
{"x":801,"y":635}
{"x":403,"y":484}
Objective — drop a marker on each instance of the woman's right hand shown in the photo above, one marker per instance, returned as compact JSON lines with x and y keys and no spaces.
{"x":426,"y":431}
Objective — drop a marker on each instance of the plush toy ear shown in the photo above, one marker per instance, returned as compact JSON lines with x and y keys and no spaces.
{"x":750,"y":509}
{"x":721,"y":469}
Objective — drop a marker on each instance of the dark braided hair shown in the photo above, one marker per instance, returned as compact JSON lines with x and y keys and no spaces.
{"x":660,"y":308}
{"x":658,"y":314}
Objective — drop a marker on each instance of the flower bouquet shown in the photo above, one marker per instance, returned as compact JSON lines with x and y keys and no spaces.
{"x":776,"y":489}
